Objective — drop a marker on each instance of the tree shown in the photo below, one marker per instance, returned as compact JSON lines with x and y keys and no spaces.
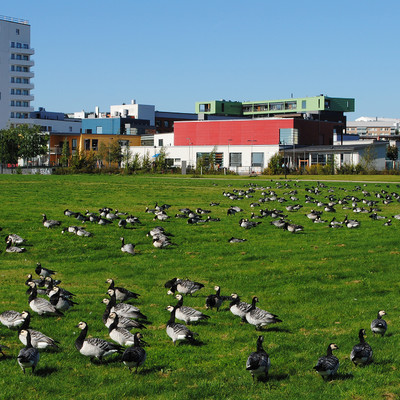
{"x":102,"y":154}
{"x":115,"y":153}
{"x":22,"y":141}
{"x":65,"y":153}
{"x":392,"y":153}
{"x":368,"y":159}
{"x":8,"y":147}
{"x":275,"y":164}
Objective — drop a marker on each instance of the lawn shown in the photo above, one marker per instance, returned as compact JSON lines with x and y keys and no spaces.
{"x":325,"y":284}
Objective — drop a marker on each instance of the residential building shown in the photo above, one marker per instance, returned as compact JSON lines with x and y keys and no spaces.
{"x":15,"y":71}
{"x":322,"y":108}
{"x":378,"y":127}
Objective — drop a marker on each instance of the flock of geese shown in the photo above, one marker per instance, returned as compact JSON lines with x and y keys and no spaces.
{"x":120,"y":316}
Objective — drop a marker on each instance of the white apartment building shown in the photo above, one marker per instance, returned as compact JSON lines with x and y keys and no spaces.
{"x":15,"y":71}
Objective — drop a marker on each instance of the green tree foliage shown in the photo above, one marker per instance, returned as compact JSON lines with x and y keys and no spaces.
{"x":275,"y":165}
{"x":392,"y":153}
{"x":368,"y":159}
{"x":22,"y":141}
{"x":160,"y":163}
{"x":65,"y":153}
{"x":115,"y":153}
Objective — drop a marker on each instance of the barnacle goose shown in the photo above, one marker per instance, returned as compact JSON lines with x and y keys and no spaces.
{"x":236,"y":240}
{"x":258,"y":362}
{"x":328,"y":365}
{"x":135,"y":356}
{"x":45,"y":272}
{"x":245,"y":223}
{"x":15,"y":239}
{"x":40,"y":305}
{"x":38,"y":339}
{"x":215,"y":300}
{"x":28,"y":357}
{"x":50,"y":223}
{"x":120,"y":335}
{"x":121,"y":294}
{"x":184,"y":286}
{"x":127,"y":247}
{"x":123,"y":309}
{"x":11,"y":319}
{"x":258,"y":317}
{"x":379,"y":325}
{"x":94,"y":347}
{"x":50,"y":284}
{"x":14,"y":249}
{"x":187,"y":314}
{"x":239,"y":308}
{"x":60,"y":301}
{"x":362,"y":352}
{"x":123,"y":322}
{"x":178,"y":331}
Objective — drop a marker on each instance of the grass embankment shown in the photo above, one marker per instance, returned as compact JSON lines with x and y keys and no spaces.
{"x":324,"y":283}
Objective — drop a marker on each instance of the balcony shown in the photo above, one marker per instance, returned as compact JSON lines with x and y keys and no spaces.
{"x":21,"y":109}
{"x":22,"y":97}
{"x":21,"y":74}
{"x":18,"y":50}
{"x":28,"y":86}
{"x":23,"y":63}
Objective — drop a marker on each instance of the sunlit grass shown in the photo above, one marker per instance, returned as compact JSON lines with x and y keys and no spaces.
{"x":324,"y":283}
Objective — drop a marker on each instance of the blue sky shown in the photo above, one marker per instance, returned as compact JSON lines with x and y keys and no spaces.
{"x":173,"y":53}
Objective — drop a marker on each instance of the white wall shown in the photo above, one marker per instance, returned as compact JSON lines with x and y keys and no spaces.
{"x":139,"y":111}
{"x":188,"y":154}
{"x":8,"y":34}
{"x":62,"y":126}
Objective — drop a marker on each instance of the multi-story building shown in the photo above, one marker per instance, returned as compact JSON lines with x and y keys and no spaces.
{"x":321,"y":108}
{"x":378,"y":127}
{"x":15,"y":71}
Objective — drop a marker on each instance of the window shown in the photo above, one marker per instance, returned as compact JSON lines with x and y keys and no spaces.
{"x":25,"y":104}
{"x":235,"y":159}
{"x":13,"y":56}
{"x":205,"y":107}
{"x":88,"y":131}
{"x":95,"y":144}
{"x":276,"y":106}
{"x":17,"y":31}
{"x":12,"y":44}
{"x":74,"y":144}
{"x":12,"y":67}
{"x":25,"y":80}
{"x":161,"y":142}
{"x":87,"y":144}
{"x":70,"y":128}
{"x":99,"y":129}
{"x":257,"y":159}
{"x":303,"y":104}
{"x":166,"y":124}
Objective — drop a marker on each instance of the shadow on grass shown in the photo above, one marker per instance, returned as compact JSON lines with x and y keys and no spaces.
{"x":274,"y":329}
{"x":343,"y":377}
{"x":44,"y":372}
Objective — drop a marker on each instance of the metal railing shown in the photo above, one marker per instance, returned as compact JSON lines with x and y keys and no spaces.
{"x":12,"y":19}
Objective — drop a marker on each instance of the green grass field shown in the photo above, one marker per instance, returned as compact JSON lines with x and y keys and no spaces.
{"x":325,"y":284}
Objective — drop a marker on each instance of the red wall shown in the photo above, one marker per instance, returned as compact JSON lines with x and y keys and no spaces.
{"x":239,"y":131}
{"x":257,"y":132}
